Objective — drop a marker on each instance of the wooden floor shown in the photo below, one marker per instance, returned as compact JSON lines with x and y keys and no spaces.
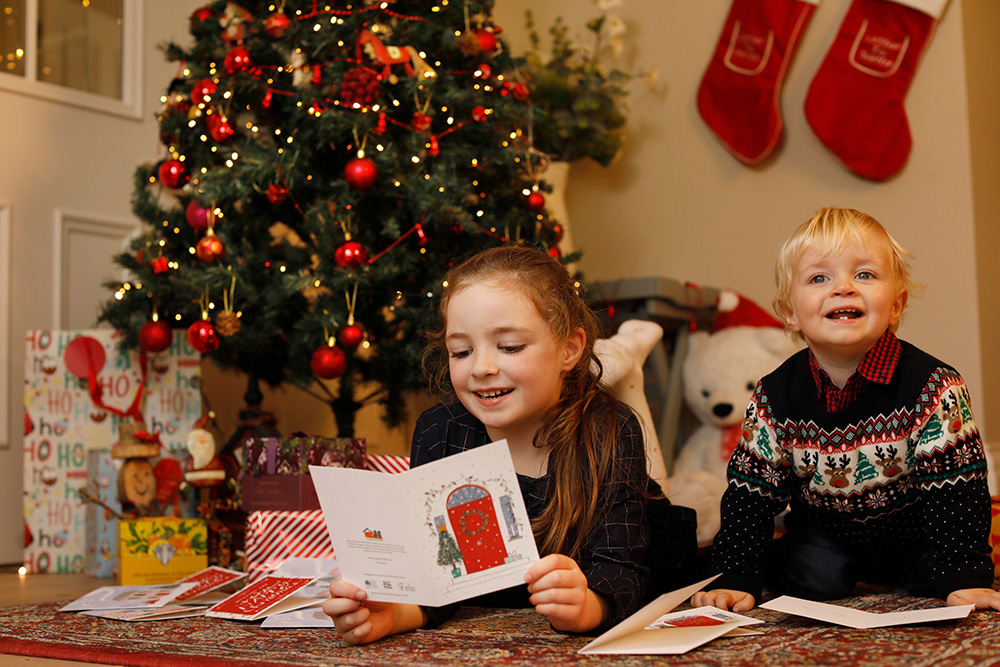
{"x":33,"y":588}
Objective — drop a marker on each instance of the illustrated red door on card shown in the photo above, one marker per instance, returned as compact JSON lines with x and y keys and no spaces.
{"x":474,"y":521}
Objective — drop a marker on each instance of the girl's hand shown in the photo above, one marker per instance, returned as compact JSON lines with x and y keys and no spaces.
{"x":361,"y":622}
{"x":559,"y":592}
{"x":723,"y":598}
{"x":983,"y":598}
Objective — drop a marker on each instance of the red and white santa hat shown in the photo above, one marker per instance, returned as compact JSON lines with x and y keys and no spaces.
{"x":735,"y":310}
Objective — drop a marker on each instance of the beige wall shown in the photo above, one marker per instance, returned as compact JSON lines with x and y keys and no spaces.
{"x":676,"y":205}
{"x":679,"y":205}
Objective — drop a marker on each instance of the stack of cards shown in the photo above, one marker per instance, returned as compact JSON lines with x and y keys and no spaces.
{"x":289,"y":598}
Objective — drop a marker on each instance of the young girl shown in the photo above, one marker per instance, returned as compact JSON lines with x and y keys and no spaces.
{"x":519,"y":345}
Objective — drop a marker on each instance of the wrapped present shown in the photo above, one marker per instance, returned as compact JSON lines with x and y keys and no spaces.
{"x":274,"y":537}
{"x":160,"y":550}
{"x":276,"y":470}
{"x":995,"y":536}
{"x":102,"y":514}
{"x":387,"y":463}
{"x":63,"y":421}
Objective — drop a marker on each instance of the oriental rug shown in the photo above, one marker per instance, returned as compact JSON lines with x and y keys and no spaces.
{"x":503,"y":637}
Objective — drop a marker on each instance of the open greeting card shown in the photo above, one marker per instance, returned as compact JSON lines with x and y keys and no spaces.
{"x":436,"y":534}
{"x":654,"y":630}
{"x":266,"y":596}
{"x":146,"y":598}
{"x":861,"y":620}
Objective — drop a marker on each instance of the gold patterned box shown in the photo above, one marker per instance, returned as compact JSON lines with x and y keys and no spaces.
{"x":160,"y":550}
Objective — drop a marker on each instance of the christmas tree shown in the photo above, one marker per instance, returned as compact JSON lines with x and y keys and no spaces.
{"x":324,"y":164}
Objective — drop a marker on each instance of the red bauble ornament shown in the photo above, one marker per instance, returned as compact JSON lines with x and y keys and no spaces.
{"x":202,"y":14}
{"x":203,"y":337}
{"x":350,"y":255}
{"x":520,"y":91}
{"x":276,"y":194}
{"x":219,"y":128}
{"x":484,"y":71}
{"x":555,"y":252}
{"x":173,"y":174}
{"x":202,"y":91}
{"x":155,"y":336}
{"x":535,"y":202}
{"x":432,"y":147}
{"x":421,"y":122}
{"x":277,"y":24}
{"x":360,"y":86}
{"x":210,"y":248}
{"x":487,"y":40}
{"x":360,"y":173}
{"x":198,"y":215}
{"x":328,"y":362}
{"x":479,"y":114}
{"x":351,"y":336}
{"x":237,"y":60}
{"x":557,"y":232}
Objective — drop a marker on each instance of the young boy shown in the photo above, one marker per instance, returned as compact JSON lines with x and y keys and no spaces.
{"x":870,"y":440}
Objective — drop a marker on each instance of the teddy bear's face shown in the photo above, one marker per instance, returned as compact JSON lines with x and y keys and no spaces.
{"x":721,"y":370}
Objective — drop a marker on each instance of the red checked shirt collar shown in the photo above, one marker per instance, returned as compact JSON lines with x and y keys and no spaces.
{"x":876,"y":366}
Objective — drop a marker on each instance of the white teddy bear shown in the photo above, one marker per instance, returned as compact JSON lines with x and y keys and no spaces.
{"x":720,"y":371}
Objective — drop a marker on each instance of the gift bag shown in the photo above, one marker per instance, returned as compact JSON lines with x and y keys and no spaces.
{"x":276,"y":477}
{"x":78,"y":388}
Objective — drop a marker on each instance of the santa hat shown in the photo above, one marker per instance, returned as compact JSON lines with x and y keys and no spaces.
{"x":735,"y":310}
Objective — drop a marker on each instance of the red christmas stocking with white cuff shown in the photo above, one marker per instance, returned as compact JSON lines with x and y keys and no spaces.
{"x":855,"y":101}
{"x":739,"y":93}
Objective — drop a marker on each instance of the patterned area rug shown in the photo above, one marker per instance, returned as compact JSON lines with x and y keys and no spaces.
{"x":483,"y":637}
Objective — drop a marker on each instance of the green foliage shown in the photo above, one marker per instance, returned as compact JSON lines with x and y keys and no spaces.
{"x":579,"y":100}
{"x":423,"y":213}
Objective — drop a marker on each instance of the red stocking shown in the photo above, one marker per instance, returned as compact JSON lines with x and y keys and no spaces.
{"x":855,"y":102}
{"x":739,"y":94}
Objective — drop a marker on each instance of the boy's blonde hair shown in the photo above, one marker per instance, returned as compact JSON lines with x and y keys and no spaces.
{"x":830,"y":231}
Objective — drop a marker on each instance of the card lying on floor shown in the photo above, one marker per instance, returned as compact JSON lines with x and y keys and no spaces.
{"x":206,"y":585}
{"x":128,"y":597}
{"x":861,"y":620}
{"x":654,"y":631}
{"x":167,"y":613}
{"x":436,"y":534}
{"x":270,"y":595}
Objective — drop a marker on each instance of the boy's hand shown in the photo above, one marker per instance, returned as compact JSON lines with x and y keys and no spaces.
{"x":361,"y":622}
{"x":983,"y":598}
{"x":723,"y":598}
{"x":559,"y":592}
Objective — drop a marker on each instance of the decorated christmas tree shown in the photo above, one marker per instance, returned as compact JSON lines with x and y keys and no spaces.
{"x":323,"y":165}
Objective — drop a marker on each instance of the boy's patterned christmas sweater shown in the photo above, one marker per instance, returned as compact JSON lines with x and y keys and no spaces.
{"x":902,"y":465}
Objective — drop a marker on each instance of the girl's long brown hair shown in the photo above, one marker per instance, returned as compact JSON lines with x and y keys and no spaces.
{"x":581,"y":432}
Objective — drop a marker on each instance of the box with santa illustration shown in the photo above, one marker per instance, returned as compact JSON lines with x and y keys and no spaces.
{"x":160,"y":550}
{"x":275,"y":473}
{"x":80,"y":390}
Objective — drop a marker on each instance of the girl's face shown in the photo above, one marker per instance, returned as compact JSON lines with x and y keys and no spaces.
{"x":505,"y":365}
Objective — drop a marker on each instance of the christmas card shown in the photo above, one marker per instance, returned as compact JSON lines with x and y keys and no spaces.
{"x":654,"y":630}
{"x":436,"y":534}
{"x":207,"y":584}
{"x":862,"y":620}
{"x":128,"y":597}
{"x":159,"y":614}
{"x":270,"y":595}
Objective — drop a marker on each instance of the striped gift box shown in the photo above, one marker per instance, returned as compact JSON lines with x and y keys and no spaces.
{"x":388,"y":463}
{"x":272,"y":537}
